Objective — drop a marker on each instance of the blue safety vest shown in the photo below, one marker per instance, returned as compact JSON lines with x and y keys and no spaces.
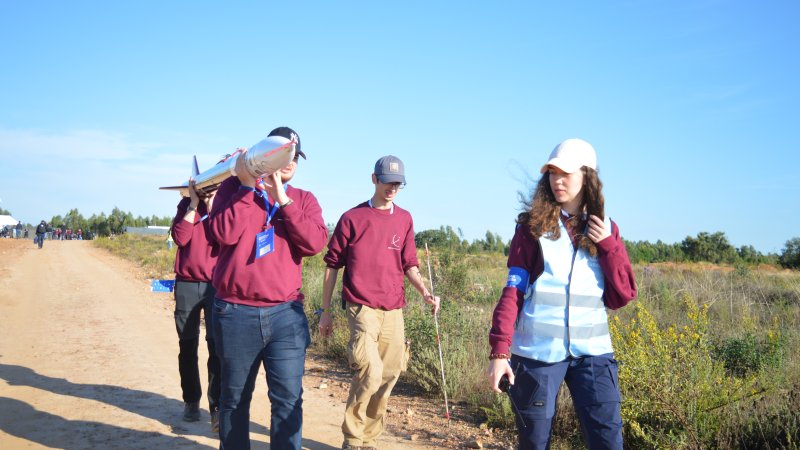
{"x":563,"y":313}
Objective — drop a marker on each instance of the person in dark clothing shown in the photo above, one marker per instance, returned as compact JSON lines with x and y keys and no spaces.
{"x":194,"y":264}
{"x":41,"y":230}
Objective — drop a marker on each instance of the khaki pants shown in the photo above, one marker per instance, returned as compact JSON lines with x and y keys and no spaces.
{"x":378,"y":353}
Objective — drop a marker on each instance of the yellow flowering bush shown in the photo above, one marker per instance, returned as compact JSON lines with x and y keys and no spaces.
{"x":675,"y":395}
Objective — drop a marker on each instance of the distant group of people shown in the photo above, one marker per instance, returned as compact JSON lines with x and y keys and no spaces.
{"x":15,"y":232}
{"x":46,"y":230}
{"x":42,"y":232}
{"x":239,"y":260}
{"x":62,"y":233}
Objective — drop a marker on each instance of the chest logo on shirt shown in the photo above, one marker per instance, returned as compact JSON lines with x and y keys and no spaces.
{"x":395,"y":244}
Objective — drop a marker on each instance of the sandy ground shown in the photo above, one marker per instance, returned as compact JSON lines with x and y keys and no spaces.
{"x":89,"y":360}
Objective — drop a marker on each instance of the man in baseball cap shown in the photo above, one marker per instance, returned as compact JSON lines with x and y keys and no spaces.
{"x":390,"y":169}
{"x":374,"y":242}
{"x":257,"y":315}
{"x":290,"y":134}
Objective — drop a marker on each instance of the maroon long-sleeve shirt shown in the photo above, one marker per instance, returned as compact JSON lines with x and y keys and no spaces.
{"x":197,"y":253}
{"x":526,"y":252}
{"x":376,"y":247}
{"x":238,"y":215}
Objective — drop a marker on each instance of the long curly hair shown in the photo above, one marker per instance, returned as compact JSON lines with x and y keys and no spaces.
{"x":541,"y":212}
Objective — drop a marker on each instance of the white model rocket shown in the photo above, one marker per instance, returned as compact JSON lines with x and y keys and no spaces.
{"x":265,"y":158}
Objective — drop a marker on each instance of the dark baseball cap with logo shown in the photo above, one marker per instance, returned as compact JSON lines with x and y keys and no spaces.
{"x":390,"y":169}
{"x":290,"y":134}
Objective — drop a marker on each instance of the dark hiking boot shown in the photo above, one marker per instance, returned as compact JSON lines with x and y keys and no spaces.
{"x":191,"y":412}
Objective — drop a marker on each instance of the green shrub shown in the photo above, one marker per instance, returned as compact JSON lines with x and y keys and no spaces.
{"x":748,"y":354}
{"x":464,"y":353}
{"x":450,"y":276}
{"x":499,"y":412}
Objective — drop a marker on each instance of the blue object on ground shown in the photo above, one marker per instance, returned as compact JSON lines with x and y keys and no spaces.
{"x":162,"y":285}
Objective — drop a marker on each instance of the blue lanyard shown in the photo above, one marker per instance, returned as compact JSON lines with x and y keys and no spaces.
{"x":270,"y":210}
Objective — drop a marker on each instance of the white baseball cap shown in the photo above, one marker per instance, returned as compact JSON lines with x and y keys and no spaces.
{"x":571,"y":155}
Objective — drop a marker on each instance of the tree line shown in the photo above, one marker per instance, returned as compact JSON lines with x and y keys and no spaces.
{"x":705,"y":247}
{"x":712,"y":248}
{"x":445,"y":238}
{"x":102,"y":224}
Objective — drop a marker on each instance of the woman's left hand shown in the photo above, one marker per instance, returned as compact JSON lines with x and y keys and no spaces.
{"x":597,"y":229}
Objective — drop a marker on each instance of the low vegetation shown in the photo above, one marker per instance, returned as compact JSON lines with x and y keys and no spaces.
{"x":707,"y":352}
{"x":148,"y":251}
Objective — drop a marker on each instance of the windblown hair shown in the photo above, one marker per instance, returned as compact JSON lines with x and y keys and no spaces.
{"x":541,"y":212}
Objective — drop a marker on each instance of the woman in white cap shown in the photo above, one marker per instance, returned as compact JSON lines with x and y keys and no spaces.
{"x":567,"y":264}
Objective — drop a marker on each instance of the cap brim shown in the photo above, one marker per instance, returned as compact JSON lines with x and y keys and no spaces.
{"x":566,"y":166}
{"x":389,"y":178}
{"x":299,"y":152}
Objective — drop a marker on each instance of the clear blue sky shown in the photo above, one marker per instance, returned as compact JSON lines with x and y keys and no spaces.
{"x":691,"y":105}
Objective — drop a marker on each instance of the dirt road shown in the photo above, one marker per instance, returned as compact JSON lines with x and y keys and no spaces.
{"x":88,"y":360}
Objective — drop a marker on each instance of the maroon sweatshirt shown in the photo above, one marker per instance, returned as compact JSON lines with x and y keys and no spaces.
{"x":376,"y":248}
{"x":238,"y":215}
{"x":197,"y":253}
{"x":526,"y":252}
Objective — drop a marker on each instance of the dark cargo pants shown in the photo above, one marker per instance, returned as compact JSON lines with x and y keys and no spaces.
{"x":593,"y":384}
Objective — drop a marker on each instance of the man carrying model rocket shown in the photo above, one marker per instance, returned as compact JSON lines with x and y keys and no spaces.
{"x":263,"y":228}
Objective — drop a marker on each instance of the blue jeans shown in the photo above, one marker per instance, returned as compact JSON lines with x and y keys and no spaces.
{"x":40,"y":239}
{"x":593,"y":383}
{"x":246,"y":337}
